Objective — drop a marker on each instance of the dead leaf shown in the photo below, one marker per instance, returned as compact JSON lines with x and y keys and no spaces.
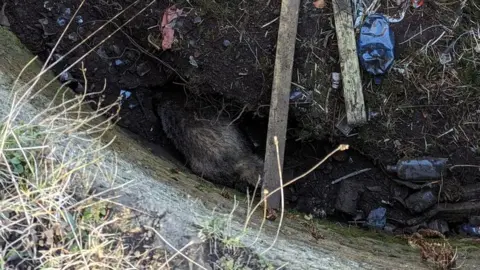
{"x":319,"y":3}
{"x":168,"y":22}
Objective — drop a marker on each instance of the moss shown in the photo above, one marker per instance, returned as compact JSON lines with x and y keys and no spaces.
{"x":376,"y":242}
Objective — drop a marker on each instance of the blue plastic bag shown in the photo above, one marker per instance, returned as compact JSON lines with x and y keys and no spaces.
{"x":377,"y":218}
{"x":376,"y":45}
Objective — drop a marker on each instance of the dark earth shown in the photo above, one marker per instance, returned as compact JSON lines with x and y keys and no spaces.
{"x":224,"y":52}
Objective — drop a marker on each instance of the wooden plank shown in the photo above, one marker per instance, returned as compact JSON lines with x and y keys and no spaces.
{"x":347,"y":46}
{"x":278,"y":117}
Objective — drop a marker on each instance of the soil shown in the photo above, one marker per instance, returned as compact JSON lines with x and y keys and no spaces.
{"x":225,"y":50}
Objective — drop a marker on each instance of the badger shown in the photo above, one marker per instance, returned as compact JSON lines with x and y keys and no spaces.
{"x":213,"y":147}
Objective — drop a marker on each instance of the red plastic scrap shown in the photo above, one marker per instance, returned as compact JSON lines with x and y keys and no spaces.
{"x":168,"y":21}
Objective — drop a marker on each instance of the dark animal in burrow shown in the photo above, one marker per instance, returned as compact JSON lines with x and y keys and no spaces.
{"x":213,"y":146}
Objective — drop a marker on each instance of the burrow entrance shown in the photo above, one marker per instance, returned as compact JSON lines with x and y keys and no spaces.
{"x":225,"y":52}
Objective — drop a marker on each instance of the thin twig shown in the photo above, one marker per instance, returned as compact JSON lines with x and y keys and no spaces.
{"x":350,"y":175}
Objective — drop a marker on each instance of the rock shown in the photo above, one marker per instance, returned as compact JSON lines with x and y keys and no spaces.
{"x":197,"y":20}
{"x":439,"y":225}
{"x":73,"y":37}
{"x":347,"y":197}
{"x":421,"y":201}
{"x":143,"y":69}
{"x":414,"y":229}
{"x":116,"y":50}
{"x":389,"y":228}
{"x":226,"y":43}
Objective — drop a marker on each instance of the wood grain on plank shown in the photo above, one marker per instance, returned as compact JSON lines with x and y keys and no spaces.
{"x":347,"y":46}
{"x":278,"y":118}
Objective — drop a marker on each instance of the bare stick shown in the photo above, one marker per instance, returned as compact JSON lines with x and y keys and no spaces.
{"x":350,"y":175}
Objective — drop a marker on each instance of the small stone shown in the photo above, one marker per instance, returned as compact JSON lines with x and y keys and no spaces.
{"x":116,"y":50}
{"x":43,"y":21}
{"x":79,"y":19}
{"x":73,"y":37}
{"x":193,"y":62}
{"x":48,"y":5}
{"x":67,"y":13}
{"x":143,"y":69}
{"x":197,"y":20}
{"x":389,"y":228}
{"x":397,"y":143}
{"x":61,"y":21}
{"x":226,"y":43}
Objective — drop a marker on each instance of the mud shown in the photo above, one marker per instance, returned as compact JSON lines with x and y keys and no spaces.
{"x":233,"y":82}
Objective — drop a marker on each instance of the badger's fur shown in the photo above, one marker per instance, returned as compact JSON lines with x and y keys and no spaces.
{"x":214,"y":148}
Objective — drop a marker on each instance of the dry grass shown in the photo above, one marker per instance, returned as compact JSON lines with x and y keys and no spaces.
{"x":438,"y":251}
{"x":51,"y":214}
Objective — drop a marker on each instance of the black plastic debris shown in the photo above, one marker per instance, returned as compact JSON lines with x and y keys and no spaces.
{"x":439,"y":226}
{"x":143,"y":69}
{"x":421,"y":201}
{"x":348,"y":197}
{"x":420,"y":169}
{"x":376,"y":45}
